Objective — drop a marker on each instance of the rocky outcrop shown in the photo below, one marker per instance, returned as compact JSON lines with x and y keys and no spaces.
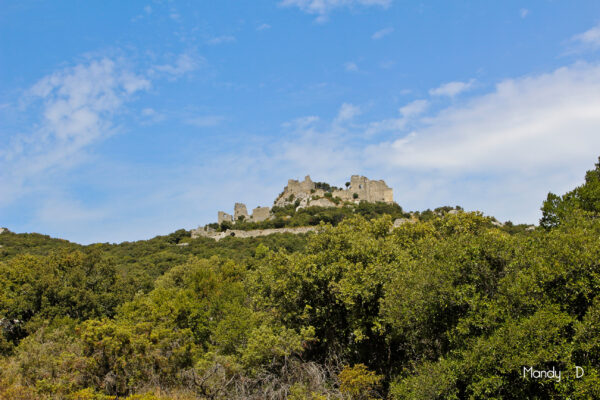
{"x":322,"y":202}
{"x":2,"y":230}
{"x":401,"y":221}
{"x":298,"y":190}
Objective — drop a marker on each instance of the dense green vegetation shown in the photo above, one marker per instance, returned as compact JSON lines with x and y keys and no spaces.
{"x":288,"y":216}
{"x":449,"y":306}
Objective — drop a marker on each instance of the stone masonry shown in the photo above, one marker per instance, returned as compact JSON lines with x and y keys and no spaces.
{"x":200,"y":232}
{"x":240,"y":211}
{"x":260,"y":214}
{"x":224,"y":217}
{"x":306,"y":194}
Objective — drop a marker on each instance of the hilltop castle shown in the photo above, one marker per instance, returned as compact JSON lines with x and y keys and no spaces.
{"x":307,"y":193}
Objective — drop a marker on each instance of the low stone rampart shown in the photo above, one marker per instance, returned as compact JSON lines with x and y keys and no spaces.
{"x":200,"y":232}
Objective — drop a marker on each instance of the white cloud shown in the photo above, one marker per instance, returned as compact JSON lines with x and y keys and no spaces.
{"x":322,"y":8}
{"x":529,"y":122}
{"x":302,"y":122}
{"x":386,"y":64}
{"x":77,"y":106}
{"x":263,"y":27}
{"x":452,"y":89}
{"x":186,"y":62}
{"x":204,"y":121}
{"x":529,"y":136}
{"x":589,"y":39}
{"x":414,"y":108}
{"x":523,"y":12}
{"x":150,"y":115}
{"x":398,"y":124}
{"x":382,"y":33}
{"x":347,"y":112}
{"x":221,"y":40}
{"x":351,"y":67}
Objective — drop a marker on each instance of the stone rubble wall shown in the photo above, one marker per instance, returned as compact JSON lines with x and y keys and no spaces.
{"x":200,"y":232}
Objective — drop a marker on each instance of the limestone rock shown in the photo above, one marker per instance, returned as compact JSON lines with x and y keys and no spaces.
{"x":401,"y":221}
{"x":295,"y":190}
{"x":322,"y":202}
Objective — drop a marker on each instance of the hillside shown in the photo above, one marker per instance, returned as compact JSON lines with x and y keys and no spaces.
{"x":446,"y":304}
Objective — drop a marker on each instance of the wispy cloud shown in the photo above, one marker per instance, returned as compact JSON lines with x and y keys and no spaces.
{"x":588,"y":40}
{"x":147,"y":11}
{"x":76,"y":106}
{"x":204,"y":121}
{"x":185,"y":63}
{"x":382,"y":33}
{"x":351,"y":66}
{"x":347,"y":112}
{"x":523,"y":12}
{"x":221,"y":39}
{"x":322,"y":8}
{"x":452,"y":89}
{"x":414,"y":108}
{"x":398,"y":124}
{"x":150,"y":116}
{"x":263,"y":27}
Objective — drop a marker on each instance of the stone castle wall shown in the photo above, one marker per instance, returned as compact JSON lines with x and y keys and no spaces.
{"x":306,"y":194}
{"x":260,"y":214}
{"x":200,"y":232}
{"x":224,"y":217}
{"x":240,"y":211}
{"x":366,"y":190}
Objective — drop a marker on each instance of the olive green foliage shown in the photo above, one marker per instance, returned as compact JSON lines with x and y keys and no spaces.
{"x":449,"y":306}
{"x":557,"y":209}
{"x":359,"y":383}
{"x":288,"y":216}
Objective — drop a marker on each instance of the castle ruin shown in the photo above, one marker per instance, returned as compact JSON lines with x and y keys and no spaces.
{"x":307,"y":193}
{"x":300,"y":194}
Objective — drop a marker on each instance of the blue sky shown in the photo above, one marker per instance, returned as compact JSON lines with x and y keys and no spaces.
{"x":124,"y":120}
